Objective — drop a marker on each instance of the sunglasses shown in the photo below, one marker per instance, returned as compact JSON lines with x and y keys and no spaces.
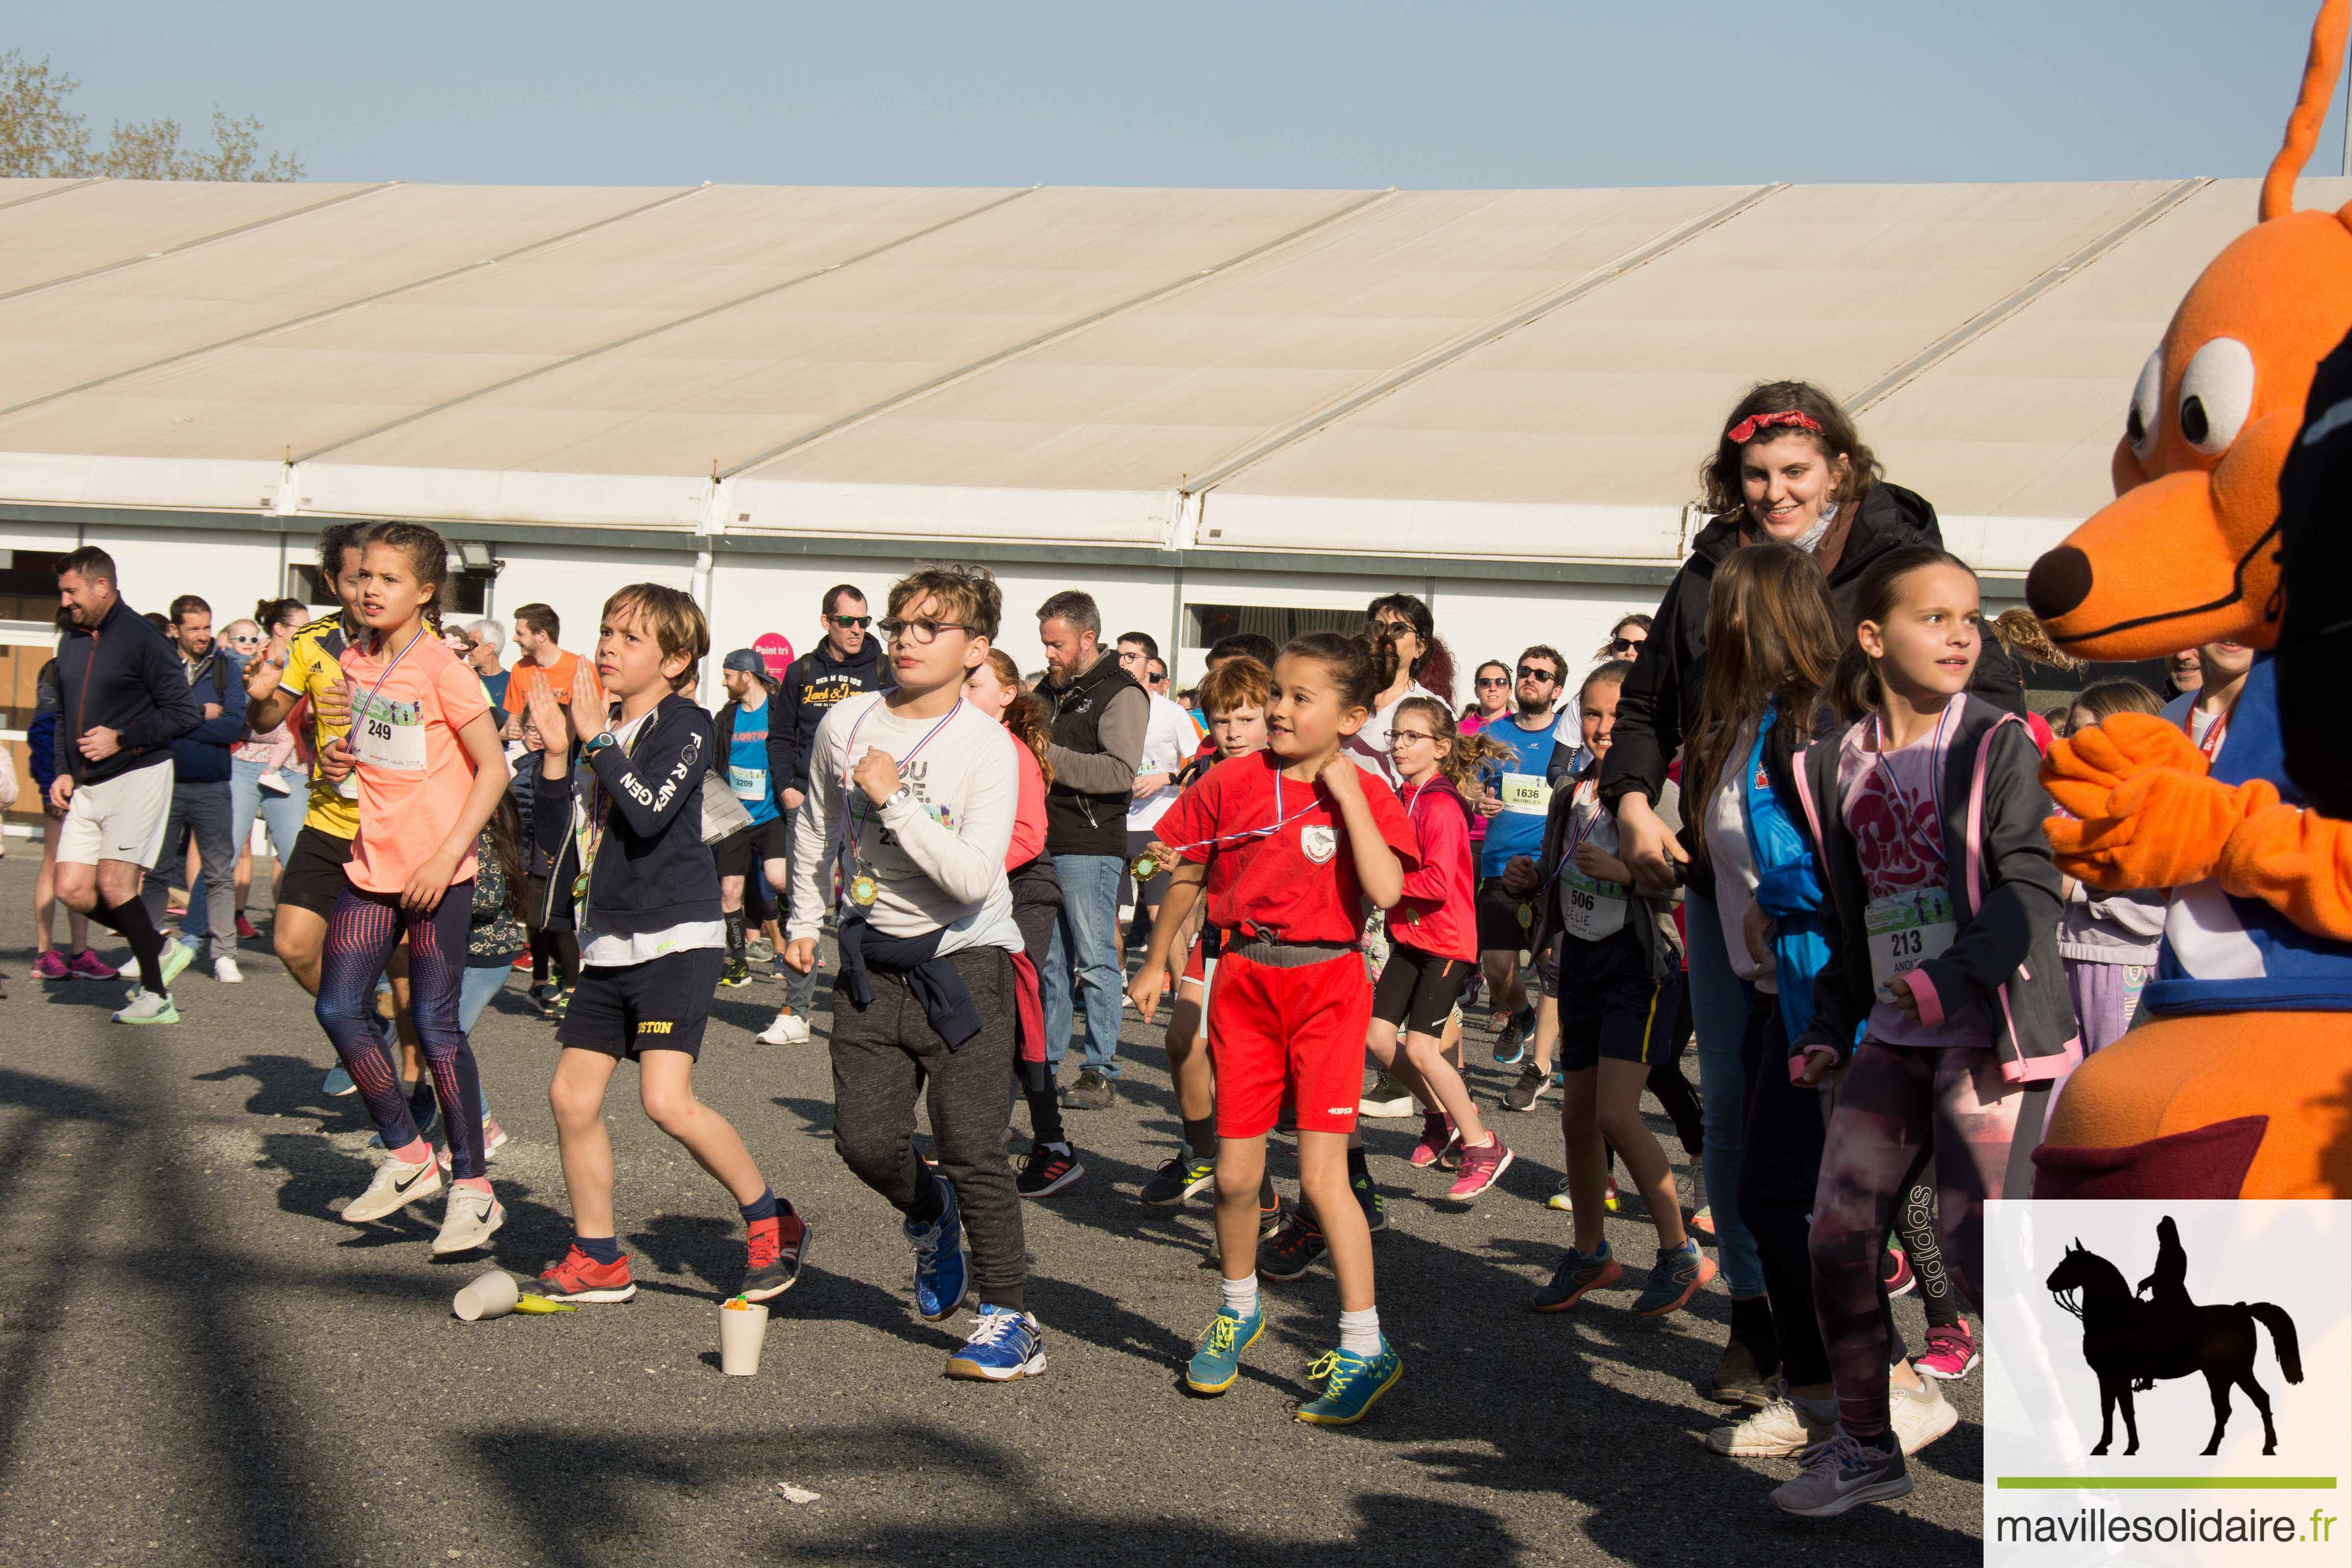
{"x":1529,"y":672}
{"x":860,"y":622}
{"x":1493,"y":681}
{"x":1391,"y":626}
{"x":1623,"y":645}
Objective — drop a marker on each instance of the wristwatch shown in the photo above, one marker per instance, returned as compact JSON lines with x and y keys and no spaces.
{"x":903,"y":792}
{"x":600,"y":743}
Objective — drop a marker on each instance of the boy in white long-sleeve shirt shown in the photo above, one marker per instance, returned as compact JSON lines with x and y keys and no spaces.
{"x":923,"y":788}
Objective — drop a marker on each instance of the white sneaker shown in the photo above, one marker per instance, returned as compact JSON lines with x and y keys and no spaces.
{"x":469,"y":1220}
{"x":225,"y":971}
{"x":398,"y":1185}
{"x":789,"y":1029}
{"x":1780,"y":1428}
{"x":1920,"y":1417}
{"x":148,"y":1007}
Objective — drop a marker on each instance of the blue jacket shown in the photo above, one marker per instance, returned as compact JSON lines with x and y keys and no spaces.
{"x":201,"y":756}
{"x":1787,"y":885}
{"x":121,"y":675}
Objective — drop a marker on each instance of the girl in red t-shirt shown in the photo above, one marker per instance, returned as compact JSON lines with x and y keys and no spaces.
{"x":1434,"y":943}
{"x":1288,"y":843}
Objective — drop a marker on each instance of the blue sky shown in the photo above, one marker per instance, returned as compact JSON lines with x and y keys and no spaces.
{"x":1270,"y":94}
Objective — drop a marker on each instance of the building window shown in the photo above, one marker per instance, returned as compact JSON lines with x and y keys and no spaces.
{"x":1206,"y":625}
{"x":29,"y":585}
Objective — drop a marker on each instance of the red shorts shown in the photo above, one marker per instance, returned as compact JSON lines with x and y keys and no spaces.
{"x":1194,"y":969}
{"x":1300,"y":1030}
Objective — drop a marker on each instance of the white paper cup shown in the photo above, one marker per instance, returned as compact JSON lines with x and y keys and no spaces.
{"x":494,"y":1295}
{"x":742,"y":1332}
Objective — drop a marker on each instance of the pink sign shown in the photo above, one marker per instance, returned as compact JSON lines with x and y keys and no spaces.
{"x":777,"y":649}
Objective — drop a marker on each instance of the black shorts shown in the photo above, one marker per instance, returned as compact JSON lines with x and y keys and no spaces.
{"x":661,"y":1006}
{"x":1610,"y":1007}
{"x":1417,"y":990}
{"x":1154,"y":891}
{"x":312,"y":878}
{"x":1503,"y":918}
{"x":743,"y":851}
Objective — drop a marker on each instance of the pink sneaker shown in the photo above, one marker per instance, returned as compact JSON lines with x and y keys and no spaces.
{"x":1951,"y":1352}
{"x":1437,"y":1135}
{"x":51,"y":965}
{"x":1481,"y":1168}
{"x":88,"y":965}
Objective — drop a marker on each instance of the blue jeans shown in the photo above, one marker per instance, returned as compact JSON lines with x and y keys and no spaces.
{"x":201,"y":813}
{"x":1718,"y":1007}
{"x":281,"y":814}
{"x":475,"y":989}
{"x":1087,"y":927}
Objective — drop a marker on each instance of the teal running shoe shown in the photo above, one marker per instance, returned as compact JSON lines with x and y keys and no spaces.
{"x":1577,"y":1273}
{"x":1350,"y":1383}
{"x":1674,"y":1280}
{"x":1217,"y":1359}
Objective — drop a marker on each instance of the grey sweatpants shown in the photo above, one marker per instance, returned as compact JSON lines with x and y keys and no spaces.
{"x":883,"y":1056}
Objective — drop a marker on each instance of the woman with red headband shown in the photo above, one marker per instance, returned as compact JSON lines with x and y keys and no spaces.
{"x":1788,"y":466}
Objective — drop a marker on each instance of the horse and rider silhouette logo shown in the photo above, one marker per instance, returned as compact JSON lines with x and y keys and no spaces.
{"x":2132,"y":1339}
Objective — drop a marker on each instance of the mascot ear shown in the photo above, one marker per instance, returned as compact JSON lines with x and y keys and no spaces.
{"x":2303,"y":122}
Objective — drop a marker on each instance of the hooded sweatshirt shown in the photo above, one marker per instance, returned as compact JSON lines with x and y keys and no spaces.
{"x":814,"y":683}
{"x":121,"y":675}
{"x":1660,"y":699}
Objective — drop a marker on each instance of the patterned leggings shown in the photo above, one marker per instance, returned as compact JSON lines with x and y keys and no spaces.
{"x":361,"y":936}
{"x":1898,"y":1110}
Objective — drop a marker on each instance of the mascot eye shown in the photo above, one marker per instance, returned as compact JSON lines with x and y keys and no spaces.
{"x":2216,"y":393}
{"x":2139,"y":424}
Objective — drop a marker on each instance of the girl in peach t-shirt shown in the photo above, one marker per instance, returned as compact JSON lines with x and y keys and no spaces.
{"x":430,"y":771}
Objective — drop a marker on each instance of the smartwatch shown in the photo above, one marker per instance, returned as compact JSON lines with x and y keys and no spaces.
{"x":600,"y":743}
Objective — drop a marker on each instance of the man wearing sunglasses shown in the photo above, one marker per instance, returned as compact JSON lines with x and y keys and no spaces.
{"x":1518,"y":797}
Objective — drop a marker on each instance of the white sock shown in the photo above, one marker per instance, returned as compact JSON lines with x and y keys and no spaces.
{"x":1239,"y":1296}
{"x":1359,"y":1332}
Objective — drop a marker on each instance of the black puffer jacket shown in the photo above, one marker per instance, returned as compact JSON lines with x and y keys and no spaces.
{"x":1660,"y":699}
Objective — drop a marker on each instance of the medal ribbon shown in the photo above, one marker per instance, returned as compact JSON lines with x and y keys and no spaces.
{"x":1281,"y":819}
{"x":1935,"y":777}
{"x":849,"y":807}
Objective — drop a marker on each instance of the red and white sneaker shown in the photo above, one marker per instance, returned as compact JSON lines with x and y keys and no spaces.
{"x":1951,"y":1352}
{"x":775,"y":1248}
{"x":579,"y":1277}
{"x":1900,"y":1281}
{"x":1481,"y":1168}
{"x":1438,"y":1134}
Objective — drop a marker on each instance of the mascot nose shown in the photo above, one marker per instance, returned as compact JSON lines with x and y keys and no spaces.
{"x":2059,"y":581}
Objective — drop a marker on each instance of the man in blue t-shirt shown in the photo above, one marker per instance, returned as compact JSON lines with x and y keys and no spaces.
{"x":1518,"y":794}
{"x":757,"y":765}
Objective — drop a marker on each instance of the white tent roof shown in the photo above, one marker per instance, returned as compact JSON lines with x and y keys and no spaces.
{"x":1458,"y":375}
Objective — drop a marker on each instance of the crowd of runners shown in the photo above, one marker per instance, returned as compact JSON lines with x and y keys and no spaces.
{"x":1791,"y":820}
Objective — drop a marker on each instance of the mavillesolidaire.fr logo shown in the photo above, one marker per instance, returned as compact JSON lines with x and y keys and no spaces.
{"x":2168,"y":1382}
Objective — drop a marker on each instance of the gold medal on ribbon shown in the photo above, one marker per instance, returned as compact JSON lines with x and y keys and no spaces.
{"x":580,"y":887}
{"x":1143,"y":867}
{"x":864,"y":890}
{"x":1527,"y":916}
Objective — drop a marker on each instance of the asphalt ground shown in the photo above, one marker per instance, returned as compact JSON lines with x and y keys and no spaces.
{"x":200,"y":1363}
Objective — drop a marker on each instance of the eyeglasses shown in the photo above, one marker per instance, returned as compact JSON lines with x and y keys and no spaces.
{"x":1410,"y":735}
{"x":1529,"y":672}
{"x":919,"y":633}
{"x":1493,"y":681}
{"x":860,"y":622}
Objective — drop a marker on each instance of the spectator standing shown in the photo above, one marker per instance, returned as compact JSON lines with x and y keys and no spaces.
{"x":1518,"y":797}
{"x":753,"y":757}
{"x":1100,"y":713}
{"x":40,"y":755}
{"x":122,"y":699}
{"x":202,"y":808}
{"x":267,"y":776}
{"x":544,"y":661}
{"x":1169,"y":739}
{"x":488,"y":641}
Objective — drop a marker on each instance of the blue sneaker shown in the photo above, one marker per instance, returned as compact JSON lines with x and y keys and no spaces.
{"x":338,"y":1082}
{"x":1218,"y":1360}
{"x":940,"y":1273}
{"x":1350,"y":1383}
{"x":1005,"y":1344}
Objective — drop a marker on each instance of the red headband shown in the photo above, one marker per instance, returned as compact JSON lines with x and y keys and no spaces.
{"x":1740,"y":435}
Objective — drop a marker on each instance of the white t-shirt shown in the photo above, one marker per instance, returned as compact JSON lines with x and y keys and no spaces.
{"x":938,"y":856}
{"x":1373,"y":747}
{"x":1169,"y":739}
{"x":1726,"y":825}
{"x":612,"y":949}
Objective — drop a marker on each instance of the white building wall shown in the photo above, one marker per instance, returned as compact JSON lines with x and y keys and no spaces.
{"x":575,"y":580}
{"x":1482,"y":620}
{"x":229,"y":570}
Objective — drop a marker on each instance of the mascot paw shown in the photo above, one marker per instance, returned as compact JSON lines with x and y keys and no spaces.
{"x":2082,"y":771}
{"x":2158,"y":829}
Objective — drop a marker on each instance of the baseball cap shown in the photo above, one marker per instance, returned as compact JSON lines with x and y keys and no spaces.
{"x":749,"y":663}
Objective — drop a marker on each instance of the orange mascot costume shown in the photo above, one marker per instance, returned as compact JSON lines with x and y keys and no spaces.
{"x":2237,"y":1081}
